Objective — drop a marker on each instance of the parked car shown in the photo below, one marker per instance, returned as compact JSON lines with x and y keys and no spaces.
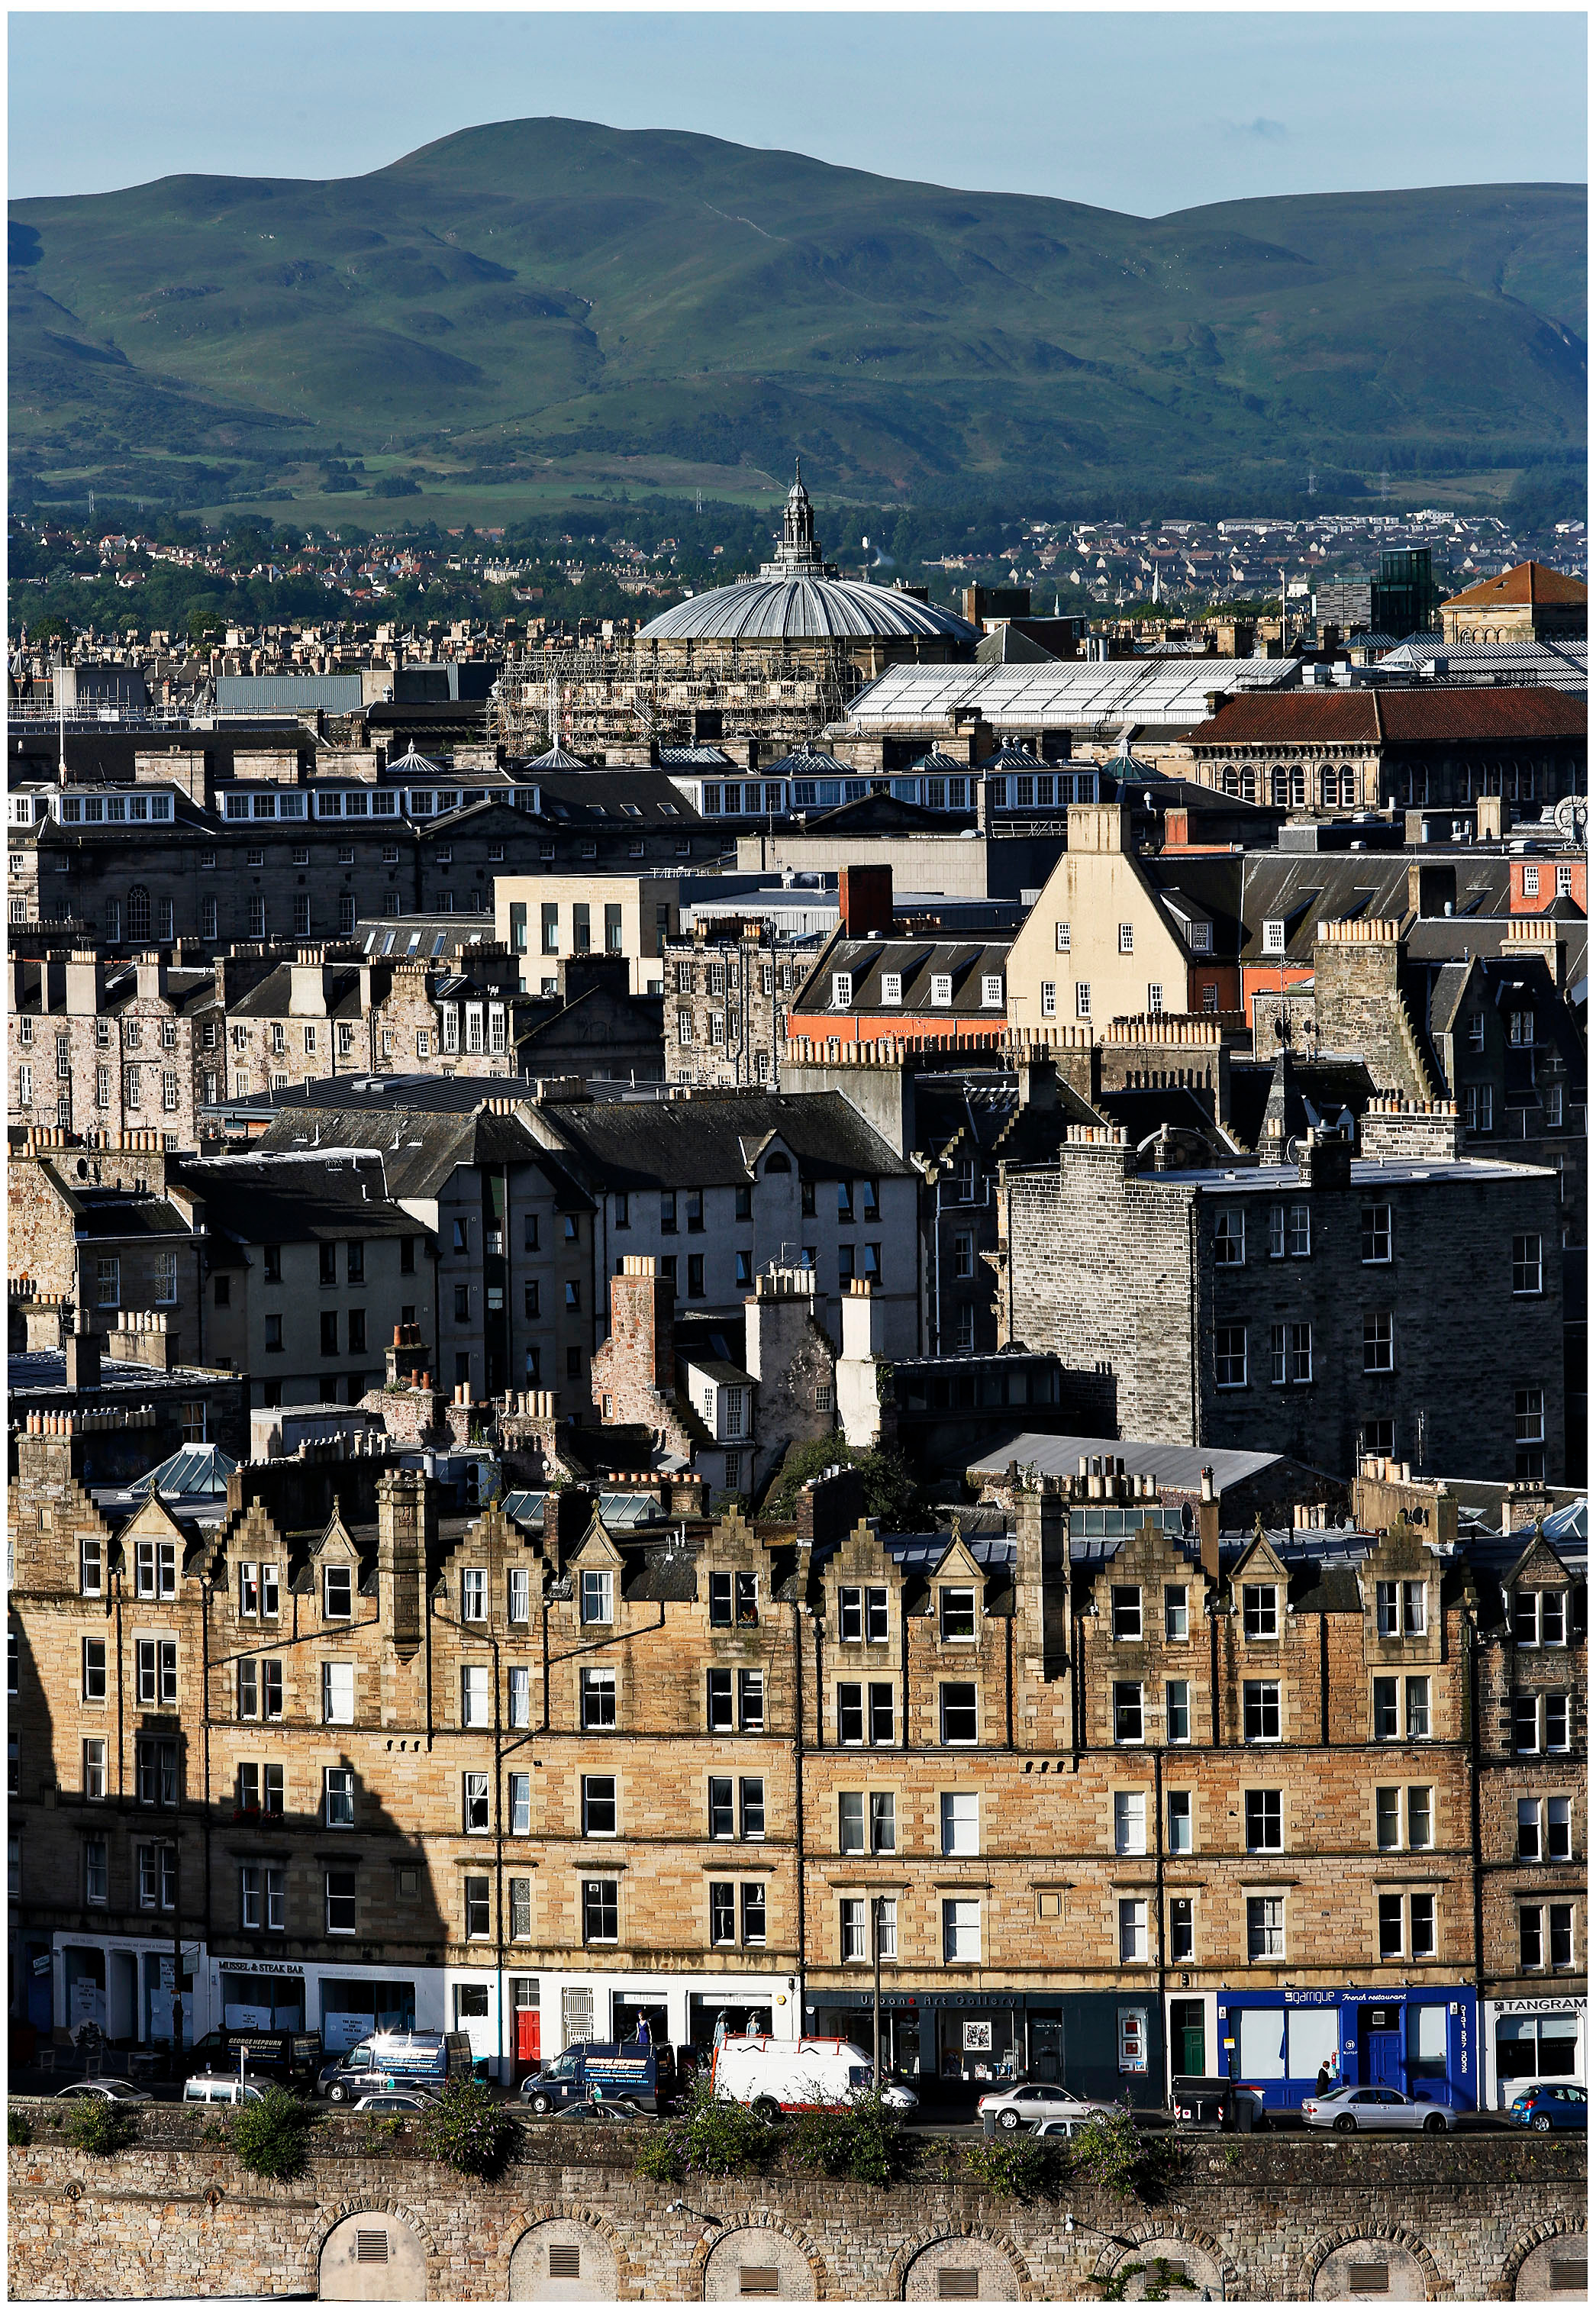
{"x":285,"y":2055}
{"x":1028,"y":2103}
{"x":778,"y":2076}
{"x":611,"y":2108}
{"x":396,"y":2060}
{"x":107,"y":2091}
{"x":396,"y":2100}
{"x":603,"y":2070}
{"x":223,"y":2087}
{"x":1550,"y":2103}
{"x":1350,"y":2109}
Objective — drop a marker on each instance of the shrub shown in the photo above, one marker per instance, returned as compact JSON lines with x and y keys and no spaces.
{"x":18,"y":2129}
{"x":268,"y":2138}
{"x":99,"y":2128}
{"x":1024,"y":2167}
{"x":708,"y":2137}
{"x":862,"y":2140}
{"x":1109,"y":2150}
{"x":467,"y":2129}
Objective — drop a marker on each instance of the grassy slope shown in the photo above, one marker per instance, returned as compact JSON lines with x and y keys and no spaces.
{"x":548,"y":287}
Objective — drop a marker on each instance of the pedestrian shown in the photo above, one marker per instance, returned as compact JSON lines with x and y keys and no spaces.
{"x":1323,"y":2081}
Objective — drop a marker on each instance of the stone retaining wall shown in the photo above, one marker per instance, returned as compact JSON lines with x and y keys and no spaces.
{"x":1462,"y":2217}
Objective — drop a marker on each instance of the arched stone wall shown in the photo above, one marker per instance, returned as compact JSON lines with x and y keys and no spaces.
{"x":1190,"y":2252}
{"x":765,"y":2249}
{"x":541,"y":2263}
{"x":372,"y":2255}
{"x":1333,"y":2268}
{"x":1549,"y":2268}
{"x":1001,"y":2275}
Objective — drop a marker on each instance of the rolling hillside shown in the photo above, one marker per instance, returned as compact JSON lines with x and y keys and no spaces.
{"x":543,"y":288}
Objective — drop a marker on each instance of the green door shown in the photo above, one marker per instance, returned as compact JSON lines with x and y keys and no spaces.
{"x":1186,"y":2029}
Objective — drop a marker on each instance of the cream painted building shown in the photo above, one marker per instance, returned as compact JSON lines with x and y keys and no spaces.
{"x":1103,"y":942}
{"x":542,"y":918}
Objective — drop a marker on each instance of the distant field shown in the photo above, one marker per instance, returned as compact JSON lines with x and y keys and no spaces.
{"x":544,"y":306}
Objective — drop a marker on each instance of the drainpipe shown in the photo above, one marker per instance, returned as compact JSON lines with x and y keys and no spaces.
{"x":1164,"y":2011}
{"x":798,"y":1801}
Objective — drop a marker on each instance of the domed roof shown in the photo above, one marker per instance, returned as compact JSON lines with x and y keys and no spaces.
{"x":801,"y":609}
{"x":800,"y":597}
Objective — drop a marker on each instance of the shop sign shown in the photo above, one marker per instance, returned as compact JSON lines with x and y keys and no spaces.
{"x":230,"y":1966}
{"x":1534,"y":2005}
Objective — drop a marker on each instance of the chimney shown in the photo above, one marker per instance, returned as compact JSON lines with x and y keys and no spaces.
{"x":1039,"y":1080}
{"x":1208,"y":1528}
{"x":864,"y":896}
{"x":573,"y":1509}
{"x":407,"y":1530}
{"x":83,"y":1355}
{"x":830,"y":1507}
{"x":85,"y":983}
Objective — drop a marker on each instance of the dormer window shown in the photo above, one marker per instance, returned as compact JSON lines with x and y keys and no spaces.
{"x":942,"y":989}
{"x":891,"y":988}
{"x":337,"y":1593}
{"x":155,"y":1569}
{"x":957,"y":1606}
{"x":992,"y":990}
{"x":1274,"y":936}
{"x":842,"y":990}
{"x":1540,"y":1618}
{"x":1401,"y":1610}
{"x":473,"y":1594}
{"x":1202,"y":938}
{"x":249,"y":1588}
{"x":598,"y":1596}
{"x":1260,"y":1610}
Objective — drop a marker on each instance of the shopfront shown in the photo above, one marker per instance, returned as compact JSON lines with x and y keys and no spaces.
{"x":1530,"y":2039}
{"x":958,"y":2046}
{"x":262,"y":1998}
{"x":354,"y":2007}
{"x":136,"y":1995}
{"x":1421,"y":2040}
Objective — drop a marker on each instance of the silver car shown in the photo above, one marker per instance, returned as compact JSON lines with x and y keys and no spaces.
{"x":396,"y":2100}
{"x":1349,"y":2110}
{"x":107,"y":2091}
{"x":1031,"y":2102}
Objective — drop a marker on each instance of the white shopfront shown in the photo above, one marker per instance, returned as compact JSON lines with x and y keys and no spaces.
{"x":1538,"y":2036}
{"x":130,"y":1987}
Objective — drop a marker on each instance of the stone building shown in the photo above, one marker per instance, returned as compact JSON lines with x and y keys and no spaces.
{"x":1529,"y":603}
{"x":1311,"y":1307}
{"x":727,"y":993}
{"x":1326,"y":752}
{"x":1117,"y":1793}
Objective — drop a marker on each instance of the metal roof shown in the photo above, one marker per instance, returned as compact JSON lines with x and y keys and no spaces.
{"x":626,"y":1510}
{"x":192,"y":1470}
{"x":802,"y":609}
{"x":1179,"y":1466}
{"x":1065,"y":696}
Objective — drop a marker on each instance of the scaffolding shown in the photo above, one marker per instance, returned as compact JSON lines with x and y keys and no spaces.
{"x":615,"y":701}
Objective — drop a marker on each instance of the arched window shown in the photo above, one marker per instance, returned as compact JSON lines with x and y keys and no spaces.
{"x":1249,"y":784}
{"x":138,"y":913}
{"x":1298,"y":787}
{"x":1349,"y":785}
{"x":778,"y":1163}
{"x":1280,"y":787}
{"x":1233,"y":783}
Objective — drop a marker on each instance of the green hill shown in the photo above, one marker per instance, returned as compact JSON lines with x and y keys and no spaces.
{"x":552,"y":290}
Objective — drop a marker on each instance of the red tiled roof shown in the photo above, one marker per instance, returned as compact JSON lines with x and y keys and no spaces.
{"x":1368,"y":717}
{"x":1526,"y":582}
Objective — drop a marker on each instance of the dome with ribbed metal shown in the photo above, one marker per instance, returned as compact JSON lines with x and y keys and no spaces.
{"x":800,"y":597}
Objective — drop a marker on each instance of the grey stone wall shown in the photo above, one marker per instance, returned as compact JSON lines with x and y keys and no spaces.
{"x":1473,"y":2218}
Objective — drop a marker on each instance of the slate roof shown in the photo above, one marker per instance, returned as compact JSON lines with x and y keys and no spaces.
{"x":419,"y":1148}
{"x":714,"y":1138}
{"x":966,"y":963}
{"x":287,"y":1196}
{"x":103,"y":1215}
{"x":270,"y":999}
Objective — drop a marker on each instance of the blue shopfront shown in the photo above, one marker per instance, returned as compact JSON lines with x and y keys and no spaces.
{"x":1422,"y":2039}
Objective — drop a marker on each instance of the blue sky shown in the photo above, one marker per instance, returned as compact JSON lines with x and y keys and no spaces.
{"x":1135,"y":111}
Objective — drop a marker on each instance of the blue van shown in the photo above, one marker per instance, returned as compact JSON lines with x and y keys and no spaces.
{"x":635,"y":2070}
{"x":411,"y":2060}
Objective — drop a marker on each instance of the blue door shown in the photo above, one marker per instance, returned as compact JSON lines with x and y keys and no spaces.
{"x":1380,"y":2047}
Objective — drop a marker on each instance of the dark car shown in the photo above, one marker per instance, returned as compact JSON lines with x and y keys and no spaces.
{"x":1550,"y":2103}
{"x":274,"y":2055}
{"x":619,"y":2108}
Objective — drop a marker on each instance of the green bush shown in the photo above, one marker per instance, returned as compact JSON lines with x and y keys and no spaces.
{"x":706,"y":2136}
{"x":268,"y":2138}
{"x":18,"y":2129}
{"x":1108,"y":2150}
{"x":1024,"y":2167}
{"x":467,"y":2129}
{"x":890,"y":1491}
{"x":96,"y":2128}
{"x":863,"y":2140}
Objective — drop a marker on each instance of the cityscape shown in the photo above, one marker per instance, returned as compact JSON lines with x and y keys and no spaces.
{"x":797,"y":1281}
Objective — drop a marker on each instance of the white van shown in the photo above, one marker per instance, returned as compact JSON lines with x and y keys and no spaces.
{"x":223,"y":2087}
{"x":778,"y":2076}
